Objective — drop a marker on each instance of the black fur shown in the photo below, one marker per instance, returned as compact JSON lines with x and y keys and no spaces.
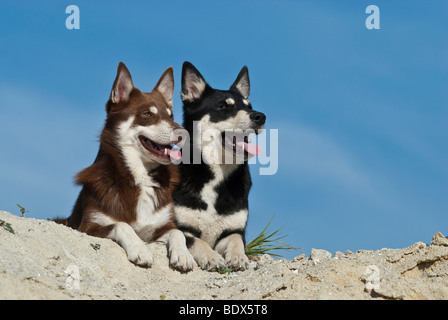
{"x":232,"y":191}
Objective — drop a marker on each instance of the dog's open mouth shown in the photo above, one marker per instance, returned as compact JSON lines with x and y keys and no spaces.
{"x":240,"y":143}
{"x":163,"y":151}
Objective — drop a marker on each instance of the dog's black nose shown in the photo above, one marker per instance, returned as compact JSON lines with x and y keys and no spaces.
{"x":258,"y":118}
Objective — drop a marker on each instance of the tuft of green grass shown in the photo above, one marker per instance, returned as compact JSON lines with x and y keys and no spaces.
{"x":225,"y":271}
{"x":265,"y":243}
{"x":6,"y":226}
{"x":22,"y":209}
{"x":95,"y":246}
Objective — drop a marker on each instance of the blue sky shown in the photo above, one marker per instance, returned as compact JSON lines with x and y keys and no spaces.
{"x":361,"y":114}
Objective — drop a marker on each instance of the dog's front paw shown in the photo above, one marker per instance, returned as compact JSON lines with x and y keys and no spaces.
{"x":182,"y":260}
{"x":140,"y":255}
{"x":237,"y":262}
{"x":212,"y":261}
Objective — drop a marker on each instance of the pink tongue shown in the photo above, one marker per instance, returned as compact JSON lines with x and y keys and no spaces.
{"x":175,"y":154}
{"x":251,"y":148}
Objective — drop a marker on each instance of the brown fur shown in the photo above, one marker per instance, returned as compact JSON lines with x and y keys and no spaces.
{"x":108,"y":185}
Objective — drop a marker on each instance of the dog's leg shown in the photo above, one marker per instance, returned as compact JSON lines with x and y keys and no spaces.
{"x":180,"y":257}
{"x":232,"y":249}
{"x":135,"y":248}
{"x":206,"y":257}
{"x":122,"y":233}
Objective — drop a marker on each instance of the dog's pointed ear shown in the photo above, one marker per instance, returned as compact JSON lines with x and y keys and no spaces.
{"x":166,"y":86}
{"x":122,"y":86}
{"x":242,"y":83}
{"x":193,"y":83}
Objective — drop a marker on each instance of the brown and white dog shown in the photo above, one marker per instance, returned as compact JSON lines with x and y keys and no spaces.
{"x":126,"y":192}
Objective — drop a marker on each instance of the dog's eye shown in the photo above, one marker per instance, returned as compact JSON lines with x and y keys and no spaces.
{"x":148,"y":114}
{"x":223,"y":107}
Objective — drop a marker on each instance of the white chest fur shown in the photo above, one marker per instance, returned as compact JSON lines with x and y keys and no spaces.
{"x":209,"y":222}
{"x":148,"y":218}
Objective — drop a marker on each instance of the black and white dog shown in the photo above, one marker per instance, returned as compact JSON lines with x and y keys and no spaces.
{"x":211,"y":199}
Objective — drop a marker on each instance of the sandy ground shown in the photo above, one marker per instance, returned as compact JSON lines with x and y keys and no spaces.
{"x":43,"y":260}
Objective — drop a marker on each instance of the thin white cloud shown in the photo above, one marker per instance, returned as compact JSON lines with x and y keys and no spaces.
{"x":312,"y":157}
{"x":311,"y":153}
